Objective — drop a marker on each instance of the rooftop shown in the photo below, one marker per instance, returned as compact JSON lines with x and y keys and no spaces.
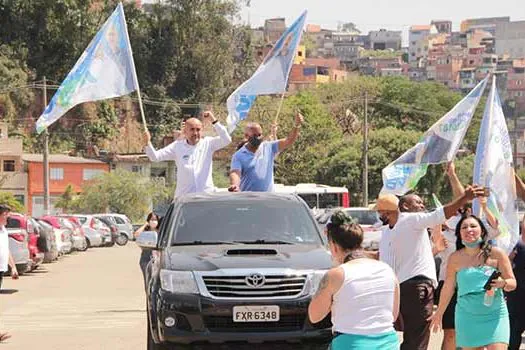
{"x":420,"y":27}
{"x":59,"y":158}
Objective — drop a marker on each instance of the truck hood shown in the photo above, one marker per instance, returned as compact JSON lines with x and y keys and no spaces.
{"x":210,"y":258}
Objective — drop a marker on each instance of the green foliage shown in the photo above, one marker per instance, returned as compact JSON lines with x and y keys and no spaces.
{"x":9,"y":199}
{"x":122,"y":192}
{"x":67,"y":201}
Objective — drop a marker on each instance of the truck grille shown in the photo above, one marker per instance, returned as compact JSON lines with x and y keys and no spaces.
{"x":237,"y":286}
{"x":286,"y":323}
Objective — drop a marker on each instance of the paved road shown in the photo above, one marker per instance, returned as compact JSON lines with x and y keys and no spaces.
{"x":87,"y":301}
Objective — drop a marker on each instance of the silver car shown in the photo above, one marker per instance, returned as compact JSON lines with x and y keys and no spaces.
{"x":124,"y":225}
{"x":90,"y":226}
{"x":19,"y":249}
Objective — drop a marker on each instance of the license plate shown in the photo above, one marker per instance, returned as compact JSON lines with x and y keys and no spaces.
{"x":265,"y":313}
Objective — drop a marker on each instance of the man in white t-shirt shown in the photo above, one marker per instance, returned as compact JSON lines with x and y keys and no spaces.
{"x":409,"y":253}
{"x":192,"y":154}
{"x":6,"y":259}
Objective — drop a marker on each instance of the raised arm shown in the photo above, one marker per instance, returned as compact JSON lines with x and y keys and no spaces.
{"x":520,"y":187}
{"x":223,"y":139}
{"x":292,"y":136}
{"x":469,"y":194}
{"x":457,"y":187}
{"x":166,"y":153}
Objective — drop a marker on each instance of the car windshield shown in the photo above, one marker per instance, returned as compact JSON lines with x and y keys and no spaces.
{"x":363,"y":217}
{"x":245,"y":221}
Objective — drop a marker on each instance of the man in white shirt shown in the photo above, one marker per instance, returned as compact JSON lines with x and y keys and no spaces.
{"x":192,"y":154}
{"x":6,"y":259}
{"x":409,"y":253}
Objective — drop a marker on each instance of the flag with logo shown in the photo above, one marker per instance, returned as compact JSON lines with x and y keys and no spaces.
{"x":270,"y":78}
{"x":105,"y":70}
{"x":438,"y":145}
{"x":493,"y":168}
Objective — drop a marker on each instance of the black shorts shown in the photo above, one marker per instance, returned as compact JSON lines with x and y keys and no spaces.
{"x":450,"y":312}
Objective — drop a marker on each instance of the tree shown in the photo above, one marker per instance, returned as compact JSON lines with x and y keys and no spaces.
{"x":67,"y":201}
{"x":122,"y":192}
{"x":9,"y":199}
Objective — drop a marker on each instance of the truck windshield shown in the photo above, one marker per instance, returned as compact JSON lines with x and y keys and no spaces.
{"x":246,"y":221}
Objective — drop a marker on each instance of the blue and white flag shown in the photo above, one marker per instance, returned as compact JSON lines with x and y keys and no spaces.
{"x":270,"y":78}
{"x":105,"y":70}
{"x":438,"y":145}
{"x":493,"y":168}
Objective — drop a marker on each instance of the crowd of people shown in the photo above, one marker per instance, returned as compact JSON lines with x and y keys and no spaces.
{"x":480,"y":296}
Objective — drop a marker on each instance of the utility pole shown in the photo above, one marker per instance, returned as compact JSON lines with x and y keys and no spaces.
{"x":365,"y":154}
{"x":46,"y":157}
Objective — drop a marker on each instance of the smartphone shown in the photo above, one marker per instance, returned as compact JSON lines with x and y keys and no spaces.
{"x":495,"y":275}
{"x":486,"y":191}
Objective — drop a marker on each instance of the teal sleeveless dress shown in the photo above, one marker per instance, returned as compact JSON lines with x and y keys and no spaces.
{"x":477,"y":324}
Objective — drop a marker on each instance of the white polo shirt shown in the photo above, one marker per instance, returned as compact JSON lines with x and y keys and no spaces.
{"x":408,"y":249}
{"x":194,"y":162}
{"x":4,"y":249}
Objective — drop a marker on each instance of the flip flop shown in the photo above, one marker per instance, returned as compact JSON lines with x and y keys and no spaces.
{"x":4,"y":336}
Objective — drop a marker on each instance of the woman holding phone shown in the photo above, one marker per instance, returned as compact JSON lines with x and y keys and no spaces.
{"x":481,"y":273}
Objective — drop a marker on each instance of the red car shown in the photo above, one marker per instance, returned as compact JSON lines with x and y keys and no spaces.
{"x":22,"y":223}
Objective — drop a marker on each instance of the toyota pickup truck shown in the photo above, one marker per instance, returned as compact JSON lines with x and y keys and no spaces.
{"x":232,"y":268}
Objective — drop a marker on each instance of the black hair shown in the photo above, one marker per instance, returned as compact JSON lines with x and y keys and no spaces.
{"x":486,"y":247}
{"x":344,"y":231}
{"x":4,"y":208}
{"x":404,"y":199}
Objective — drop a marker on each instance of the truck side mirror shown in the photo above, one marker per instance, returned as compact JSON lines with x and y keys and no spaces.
{"x":148,"y":239}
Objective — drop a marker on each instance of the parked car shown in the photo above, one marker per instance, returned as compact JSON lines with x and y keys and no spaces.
{"x":112,"y":227}
{"x":238,"y":267}
{"x":62,"y":233}
{"x":46,"y":231}
{"x":367,"y":218}
{"x":18,"y":244}
{"x":24,"y":222}
{"x":78,"y":237}
{"x":92,"y":229}
{"x":124,"y":225}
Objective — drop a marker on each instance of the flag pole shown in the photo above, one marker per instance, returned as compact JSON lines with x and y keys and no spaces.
{"x":279,"y":109}
{"x":135,"y":79}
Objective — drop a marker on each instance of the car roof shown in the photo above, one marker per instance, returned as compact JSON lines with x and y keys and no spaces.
{"x":236,"y":196}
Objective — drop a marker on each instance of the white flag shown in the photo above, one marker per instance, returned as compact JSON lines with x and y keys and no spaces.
{"x":493,"y":168}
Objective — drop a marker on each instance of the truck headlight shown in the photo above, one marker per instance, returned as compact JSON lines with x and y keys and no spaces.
{"x":178,"y":282}
{"x":314,"y":280}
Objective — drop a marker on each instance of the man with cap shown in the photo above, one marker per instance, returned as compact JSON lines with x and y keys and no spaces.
{"x":405,"y":246}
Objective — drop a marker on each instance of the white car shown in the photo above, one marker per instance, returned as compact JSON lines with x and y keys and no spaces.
{"x":62,"y":234}
{"x":124,"y":225}
{"x":91,"y":226}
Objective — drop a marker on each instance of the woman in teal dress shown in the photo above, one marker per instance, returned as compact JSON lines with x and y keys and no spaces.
{"x":479,"y":323}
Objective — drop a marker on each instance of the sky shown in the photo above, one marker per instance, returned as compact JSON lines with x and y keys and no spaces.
{"x":375,"y":14}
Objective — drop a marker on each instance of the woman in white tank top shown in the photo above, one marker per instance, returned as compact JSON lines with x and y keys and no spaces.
{"x":361,"y":293}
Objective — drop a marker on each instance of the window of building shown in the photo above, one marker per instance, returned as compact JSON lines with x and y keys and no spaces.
{"x":471,"y":62}
{"x":413,"y":43}
{"x":136,"y":168}
{"x":9,"y":165}
{"x":56,"y":173}
{"x":518,"y":82}
{"x":300,"y":53}
{"x":89,"y":174}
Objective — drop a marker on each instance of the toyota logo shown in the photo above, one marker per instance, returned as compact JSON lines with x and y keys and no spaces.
{"x":256,"y":280}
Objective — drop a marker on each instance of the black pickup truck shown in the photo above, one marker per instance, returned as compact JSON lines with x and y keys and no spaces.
{"x":232,"y":268}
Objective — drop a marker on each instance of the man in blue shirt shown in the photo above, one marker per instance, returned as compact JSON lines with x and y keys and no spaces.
{"x":252,"y":165}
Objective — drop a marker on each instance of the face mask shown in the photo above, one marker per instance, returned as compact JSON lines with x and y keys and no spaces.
{"x":255,"y":141}
{"x":153,"y":223}
{"x":472,"y":244}
{"x":384,"y":220}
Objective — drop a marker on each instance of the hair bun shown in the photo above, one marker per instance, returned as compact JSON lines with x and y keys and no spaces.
{"x":339,"y":218}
